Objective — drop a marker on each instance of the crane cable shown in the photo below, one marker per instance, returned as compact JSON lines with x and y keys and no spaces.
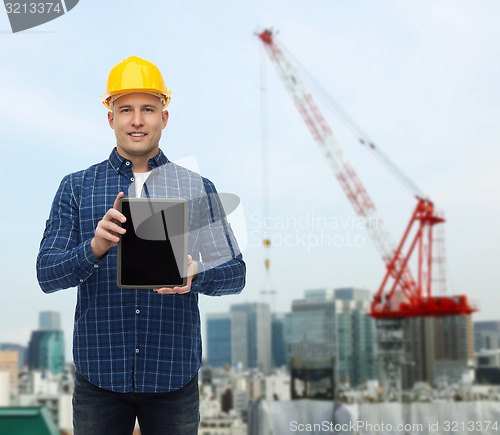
{"x":354,"y":128}
{"x":267,"y":288}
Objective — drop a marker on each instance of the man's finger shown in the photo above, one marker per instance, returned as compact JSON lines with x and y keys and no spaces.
{"x":165,"y":291}
{"x":107,"y":235}
{"x":118,"y":197}
{"x":181,"y":290}
{"x":111,"y":226}
{"x":172,"y":290}
{"x":114,"y":214}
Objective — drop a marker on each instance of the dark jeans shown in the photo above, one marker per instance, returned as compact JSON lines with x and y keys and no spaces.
{"x":102,"y":412}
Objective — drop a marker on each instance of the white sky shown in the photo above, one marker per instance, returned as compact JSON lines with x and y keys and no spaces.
{"x":421,"y":77}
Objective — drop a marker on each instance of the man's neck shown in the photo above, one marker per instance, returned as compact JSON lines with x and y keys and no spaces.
{"x":139,"y":163}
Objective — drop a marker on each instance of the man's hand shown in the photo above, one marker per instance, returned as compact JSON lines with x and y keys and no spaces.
{"x":192,"y":271}
{"x":106,"y":233}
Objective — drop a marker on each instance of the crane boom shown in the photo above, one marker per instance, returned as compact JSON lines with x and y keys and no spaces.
{"x":347,"y":177}
{"x":399,"y":295}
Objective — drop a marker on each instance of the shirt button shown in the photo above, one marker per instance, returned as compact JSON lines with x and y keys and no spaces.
{"x":131,"y":178}
{"x":137,"y":351}
{"x":81,"y":280}
{"x":127,"y":163}
{"x":96,"y":266}
{"x":137,"y":311}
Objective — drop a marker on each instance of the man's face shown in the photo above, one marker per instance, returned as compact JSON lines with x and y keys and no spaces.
{"x":138,"y":121}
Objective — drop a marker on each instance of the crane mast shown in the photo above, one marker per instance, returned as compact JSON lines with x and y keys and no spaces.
{"x":399,"y":295}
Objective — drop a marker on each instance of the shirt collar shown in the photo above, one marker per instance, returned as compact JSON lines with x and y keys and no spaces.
{"x":117,"y":161}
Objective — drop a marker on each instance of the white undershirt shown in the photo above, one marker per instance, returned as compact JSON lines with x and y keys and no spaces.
{"x":140,"y":178}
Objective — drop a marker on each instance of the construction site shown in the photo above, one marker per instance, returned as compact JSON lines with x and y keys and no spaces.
{"x":424,"y":335}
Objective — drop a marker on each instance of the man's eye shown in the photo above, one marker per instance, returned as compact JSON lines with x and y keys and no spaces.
{"x":148,"y":109}
{"x":125,"y":110}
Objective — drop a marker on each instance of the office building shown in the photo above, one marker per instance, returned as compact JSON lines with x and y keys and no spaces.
{"x":488,"y":367}
{"x":46,"y":346}
{"x":227,"y":339}
{"x":219,"y":339}
{"x":258,"y":334}
{"x":46,"y":351}
{"x":438,"y":350}
{"x":22,"y":352}
{"x":49,"y":321}
{"x":486,"y":335}
{"x":487,"y":352}
{"x":278,"y":339}
{"x":241,"y":337}
{"x":331,"y":326}
{"x":9,"y":362}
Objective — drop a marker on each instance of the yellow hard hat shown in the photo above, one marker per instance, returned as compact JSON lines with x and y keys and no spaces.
{"x":134,"y":74}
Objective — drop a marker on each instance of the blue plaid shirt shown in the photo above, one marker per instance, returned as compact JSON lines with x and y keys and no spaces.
{"x":135,"y":339}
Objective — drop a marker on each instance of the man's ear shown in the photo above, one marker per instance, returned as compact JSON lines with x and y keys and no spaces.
{"x":111,"y":120}
{"x":164,"y":117}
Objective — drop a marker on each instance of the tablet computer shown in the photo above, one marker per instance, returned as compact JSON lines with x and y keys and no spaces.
{"x":153,"y":251}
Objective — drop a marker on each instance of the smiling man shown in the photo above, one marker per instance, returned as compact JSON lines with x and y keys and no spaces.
{"x":137,"y":352}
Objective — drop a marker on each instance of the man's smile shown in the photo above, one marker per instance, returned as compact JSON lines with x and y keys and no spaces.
{"x":137,"y":134}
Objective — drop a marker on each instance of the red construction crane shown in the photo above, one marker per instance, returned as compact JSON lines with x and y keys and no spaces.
{"x":399,"y":295}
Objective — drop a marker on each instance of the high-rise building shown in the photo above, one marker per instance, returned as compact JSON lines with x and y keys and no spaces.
{"x":437,"y":349}
{"x":46,"y":351}
{"x":486,"y":335}
{"x":258,"y":333}
{"x":9,"y":362}
{"x":21,"y":350}
{"x":49,"y":321}
{"x":219,"y":339}
{"x":311,"y":332}
{"x":46,"y":346}
{"x":333,"y":326}
{"x":241,"y":337}
{"x":227,"y":339}
{"x":278,"y":339}
{"x":364,"y":350}
{"x":351,"y":294}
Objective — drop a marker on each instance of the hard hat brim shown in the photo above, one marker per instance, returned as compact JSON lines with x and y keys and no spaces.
{"x":107,"y":96}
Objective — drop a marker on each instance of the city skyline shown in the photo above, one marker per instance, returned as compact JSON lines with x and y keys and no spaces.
{"x":323,"y":324}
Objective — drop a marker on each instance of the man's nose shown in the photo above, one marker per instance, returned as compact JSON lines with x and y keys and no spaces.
{"x":137,"y":119}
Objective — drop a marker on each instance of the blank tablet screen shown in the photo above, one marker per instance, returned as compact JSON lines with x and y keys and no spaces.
{"x":152,"y":253}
